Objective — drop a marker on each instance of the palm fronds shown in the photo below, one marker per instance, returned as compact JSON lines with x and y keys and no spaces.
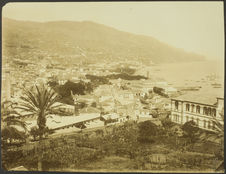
{"x":40,"y":101}
{"x":10,"y":119}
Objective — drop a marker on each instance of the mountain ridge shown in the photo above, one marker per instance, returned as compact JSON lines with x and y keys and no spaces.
{"x":98,"y":41}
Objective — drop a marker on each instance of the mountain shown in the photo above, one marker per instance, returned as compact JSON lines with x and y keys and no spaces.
{"x":87,"y":40}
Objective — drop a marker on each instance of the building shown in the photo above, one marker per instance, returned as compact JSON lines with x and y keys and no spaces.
{"x":114,"y":118}
{"x":197,"y":107}
{"x":65,"y":108}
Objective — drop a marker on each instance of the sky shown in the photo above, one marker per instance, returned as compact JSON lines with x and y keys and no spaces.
{"x":194,"y":26}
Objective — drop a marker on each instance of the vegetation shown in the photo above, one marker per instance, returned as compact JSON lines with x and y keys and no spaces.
{"x":134,"y":142}
{"x":34,"y":132}
{"x":64,"y":91}
{"x":159,"y":91}
{"x":39,"y":101}
{"x":147,"y":131}
{"x":125,"y":70}
{"x":125,"y":76}
{"x":217,"y":135}
{"x":83,"y":88}
{"x":124,"y":45}
{"x":191,"y":131}
{"x":10,"y":122}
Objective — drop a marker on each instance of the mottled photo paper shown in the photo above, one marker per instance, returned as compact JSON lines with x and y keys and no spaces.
{"x":113,"y":87}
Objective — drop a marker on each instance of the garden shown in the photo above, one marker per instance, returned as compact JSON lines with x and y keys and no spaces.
{"x":129,"y":147}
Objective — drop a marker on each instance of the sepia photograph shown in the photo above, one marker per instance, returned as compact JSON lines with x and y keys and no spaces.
{"x":113,"y":86}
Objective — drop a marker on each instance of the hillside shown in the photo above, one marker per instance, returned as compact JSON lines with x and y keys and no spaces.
{"x":87,"y":40}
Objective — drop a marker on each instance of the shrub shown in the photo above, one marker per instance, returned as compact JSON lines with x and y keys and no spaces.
{"x":190,"y":130}
{"x":34,"y":132}
{"x":147,"y":132}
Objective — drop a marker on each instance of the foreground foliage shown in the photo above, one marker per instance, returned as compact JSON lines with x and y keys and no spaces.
{"x":140,"y":144}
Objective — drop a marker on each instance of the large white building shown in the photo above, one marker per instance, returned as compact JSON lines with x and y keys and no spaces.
{"x":200,"y":109}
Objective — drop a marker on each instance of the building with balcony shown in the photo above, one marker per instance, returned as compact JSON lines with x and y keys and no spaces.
{"x":201,"y":109}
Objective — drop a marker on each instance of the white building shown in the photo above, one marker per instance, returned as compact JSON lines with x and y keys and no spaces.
{"x":201,"y":109}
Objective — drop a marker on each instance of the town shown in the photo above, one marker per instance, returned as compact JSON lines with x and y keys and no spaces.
{"x":112,"y":87}
{"x":97,"y":97}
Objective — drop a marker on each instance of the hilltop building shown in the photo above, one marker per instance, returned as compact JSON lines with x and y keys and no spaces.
{"x":199,"y":108}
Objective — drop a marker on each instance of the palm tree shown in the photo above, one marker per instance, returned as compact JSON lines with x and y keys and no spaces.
{"x":11,"y":121}
{"x":39,"y":101}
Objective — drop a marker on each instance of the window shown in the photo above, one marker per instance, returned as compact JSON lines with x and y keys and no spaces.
{"x":204,"y":111}
{"x":192,"y":108}
{"x":187,"y":107}
{"x":209,"y":125}
{"x":204,"y":123}
{"x":198,"y":109}
{"x":176,"y":105}
{"x":213,"y":112}
{"x":198,"y":121}
{"x":209,"y":111}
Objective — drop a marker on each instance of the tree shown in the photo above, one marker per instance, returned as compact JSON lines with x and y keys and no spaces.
{"x":10,"y":122}
{"x":94,"y":104}
{"x":190,"y":130}
{"x":40,"y":101}
{"x":34,"y":132}
{"x":147,"y":132}
{"x":217,"y":135}
{"x":167,"y":124}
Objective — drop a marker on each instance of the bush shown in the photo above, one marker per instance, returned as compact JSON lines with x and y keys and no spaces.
{"x":147,"y":132}
{"x":190,"y":130}
{"x":34,"y":132}
{"x":160,"y":91}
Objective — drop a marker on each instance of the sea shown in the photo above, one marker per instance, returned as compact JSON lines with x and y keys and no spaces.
{"x":192,"y":74}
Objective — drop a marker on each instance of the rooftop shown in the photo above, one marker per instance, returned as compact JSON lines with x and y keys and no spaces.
{"x":203,"y":97}
{"x":54,"y":121}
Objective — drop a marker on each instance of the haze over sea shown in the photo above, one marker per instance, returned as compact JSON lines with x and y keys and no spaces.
{"x":192,"y":74}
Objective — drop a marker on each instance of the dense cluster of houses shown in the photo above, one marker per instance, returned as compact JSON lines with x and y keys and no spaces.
{"x":112,"y":102}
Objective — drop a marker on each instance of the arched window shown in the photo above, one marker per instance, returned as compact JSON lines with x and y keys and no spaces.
{"x":214,"y":112}
{"x":187,"y":107}
{"x":176,"y":105}
{"x":204,"y":111}
{"x":198,"y":109}
{"x":198,"y":121}
{"x":192,"y":108}
{"x":209,"y":111}
{"x":204,"y":123}
{"x":209,"y":125}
